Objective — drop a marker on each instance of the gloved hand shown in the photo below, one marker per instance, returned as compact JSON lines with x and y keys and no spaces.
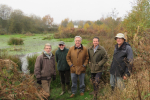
{"x":39,"y":81}
{"x":54,"y":77}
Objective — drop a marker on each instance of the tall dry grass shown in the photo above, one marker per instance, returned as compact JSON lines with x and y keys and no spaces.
{"x":15,"y":85}
{"x":137,"y":85}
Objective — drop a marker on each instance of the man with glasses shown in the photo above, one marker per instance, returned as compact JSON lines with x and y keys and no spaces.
{"x":63,"y":67}
{"x":45,"y":69}
{"x":77,"y":59}
{"x":122,"y":62}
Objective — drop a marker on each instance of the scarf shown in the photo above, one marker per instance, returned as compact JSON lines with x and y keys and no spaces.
{"x":48,"y":55}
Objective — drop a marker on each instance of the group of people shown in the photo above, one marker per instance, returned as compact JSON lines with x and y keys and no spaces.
{"x":73,"y":62}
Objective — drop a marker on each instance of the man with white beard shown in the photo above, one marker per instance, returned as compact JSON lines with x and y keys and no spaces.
{"x":63,"y":67}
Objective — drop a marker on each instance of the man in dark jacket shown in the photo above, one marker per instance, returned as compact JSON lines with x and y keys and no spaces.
{"x":97,"y":58}
{"x":63,"y":67}
{"x":45,"y":69}
{"x":122,"y":62}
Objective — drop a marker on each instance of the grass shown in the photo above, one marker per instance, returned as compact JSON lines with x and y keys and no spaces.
{"x":31,"y":43}
{"x":15,"y":41}
{"x":55,"y":95}
{"x":31,"y":63}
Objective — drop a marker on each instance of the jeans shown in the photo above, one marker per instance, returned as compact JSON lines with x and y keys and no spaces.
{"x":74,"y":78}
{"x":116,"y":80}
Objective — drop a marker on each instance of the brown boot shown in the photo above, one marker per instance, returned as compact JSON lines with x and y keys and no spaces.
{"x":63,"y":89}
{"x":81,"y":93}
{"x":72,"y":95}
{"x":91,"y":93}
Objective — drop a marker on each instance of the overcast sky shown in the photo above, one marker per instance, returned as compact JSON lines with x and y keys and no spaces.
{"x":72,"y":9}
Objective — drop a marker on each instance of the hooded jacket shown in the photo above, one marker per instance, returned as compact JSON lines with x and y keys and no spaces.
{"x":122,"y":60}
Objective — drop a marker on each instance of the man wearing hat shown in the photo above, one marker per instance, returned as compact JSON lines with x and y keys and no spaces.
{"x":121,"y":63}
{"x":63,"y":67}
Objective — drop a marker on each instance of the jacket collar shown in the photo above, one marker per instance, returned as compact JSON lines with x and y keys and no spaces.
{"x":122,"y":47}
{"x":99,"y":47}
{"x":79,"y":47}
{"x":44,"y":56}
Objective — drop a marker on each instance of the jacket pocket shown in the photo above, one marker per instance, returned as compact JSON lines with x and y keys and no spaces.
{"x":91,"y":66}
{"x":97,"y":67}
{"x":73,"y":69}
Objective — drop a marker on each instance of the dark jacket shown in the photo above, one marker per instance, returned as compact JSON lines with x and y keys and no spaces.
{"x":78,"y":57}
{"x":44,"y":67}
{"x":122,"y":60}
{"x":97,"y":59}
{"x":62,"y":64}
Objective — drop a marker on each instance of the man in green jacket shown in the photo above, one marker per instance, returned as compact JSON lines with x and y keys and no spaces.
{"x":97,"y":58}
{"x":63,"y":67}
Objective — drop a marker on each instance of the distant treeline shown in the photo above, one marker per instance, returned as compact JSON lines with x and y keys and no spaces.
{"x":15,"y":21}
{"x":137,"y":20}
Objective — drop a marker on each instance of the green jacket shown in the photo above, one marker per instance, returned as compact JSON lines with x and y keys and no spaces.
{"x":62,"y":64}
{"x":97,"y":59}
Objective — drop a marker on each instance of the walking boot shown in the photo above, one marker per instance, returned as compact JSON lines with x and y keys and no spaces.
{"x":95,"y":95}
{"x":112,"y":89}
{"x":63,"y":89}
{"x":68,"y":89}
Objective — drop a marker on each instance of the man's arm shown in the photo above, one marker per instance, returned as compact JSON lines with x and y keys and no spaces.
{"x":129,"y":61}
{"x":89,"y":56}
{"x":37,"y":68}
{"x":54,"y":66}
{"x":86,"y":58}
{"x":105,"y":58}
{"x":68,"y":58}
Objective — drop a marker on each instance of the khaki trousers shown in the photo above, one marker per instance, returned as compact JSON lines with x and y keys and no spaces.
{"x":46,"y":85}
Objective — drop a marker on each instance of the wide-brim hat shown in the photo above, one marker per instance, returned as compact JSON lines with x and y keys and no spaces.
{"x":120,"y":35}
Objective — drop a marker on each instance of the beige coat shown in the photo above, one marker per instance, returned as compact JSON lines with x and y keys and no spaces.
{"x":79,"y":59}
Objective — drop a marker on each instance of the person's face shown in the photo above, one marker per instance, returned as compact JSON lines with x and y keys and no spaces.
{"x":77,"y":42}
{"x":120,"y":41}
{"x":61,"y":46}
{"x":95,"y":42}
{"x":47,"y":49}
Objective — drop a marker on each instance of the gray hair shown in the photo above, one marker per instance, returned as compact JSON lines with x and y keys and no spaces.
{"x":78,"y":37}
{"x":47,"y":44}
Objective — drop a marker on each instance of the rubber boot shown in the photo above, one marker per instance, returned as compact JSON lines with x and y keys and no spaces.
{"x":63,"y":89}
{"x":112,"y":89}
{"x":68,"y":89}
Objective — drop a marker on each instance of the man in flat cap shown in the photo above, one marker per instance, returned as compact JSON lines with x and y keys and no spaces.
{"x":63,"y":67}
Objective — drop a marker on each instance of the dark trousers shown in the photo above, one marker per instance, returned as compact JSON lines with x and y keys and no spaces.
{"x":95,"y":77}
{"x":65,"y":77}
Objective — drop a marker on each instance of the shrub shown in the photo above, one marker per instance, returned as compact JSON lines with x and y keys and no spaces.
{"x":15,"y":41}
{"x":48,"y":37}
{"x":31,"y":62}
{"x":14,"y":58}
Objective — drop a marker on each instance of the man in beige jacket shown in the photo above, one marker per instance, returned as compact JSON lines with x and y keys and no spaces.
{"x":77,"y":59}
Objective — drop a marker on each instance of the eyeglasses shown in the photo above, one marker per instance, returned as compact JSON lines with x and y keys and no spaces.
{"x":61,"y":45}
{"x":47,"y":48}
